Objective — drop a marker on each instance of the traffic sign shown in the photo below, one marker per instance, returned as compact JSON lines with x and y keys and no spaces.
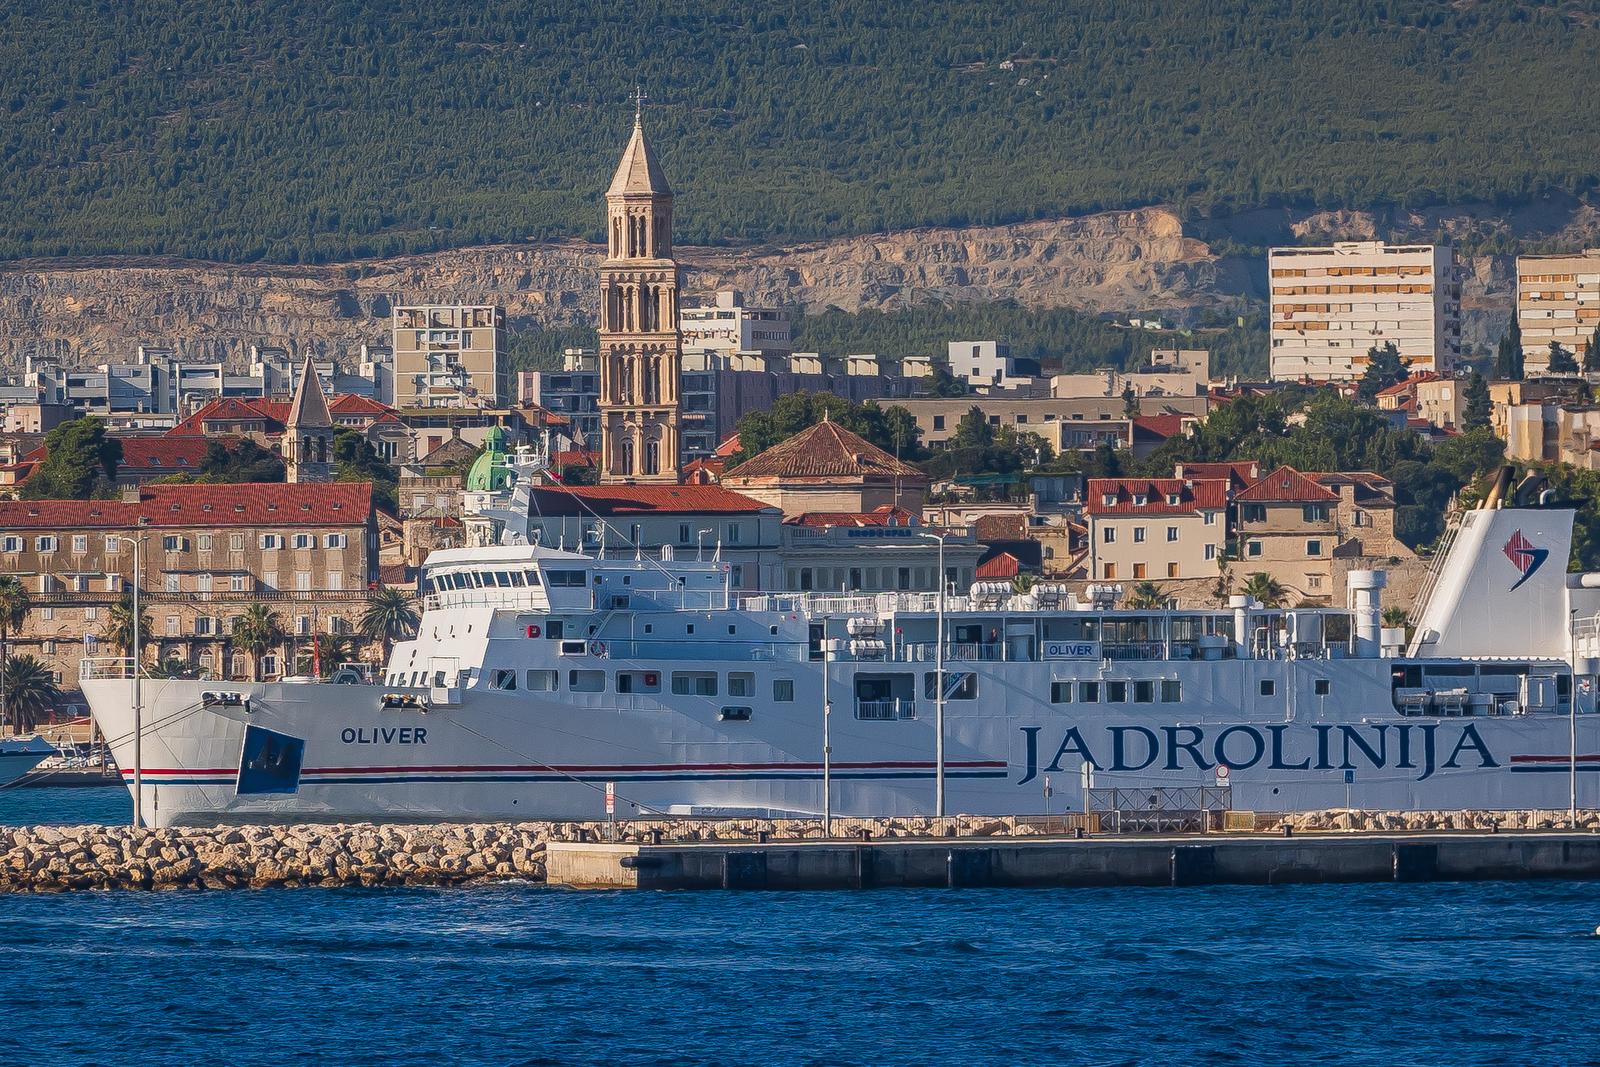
{"x":611,"y":798}
{"x":1222,"y":774}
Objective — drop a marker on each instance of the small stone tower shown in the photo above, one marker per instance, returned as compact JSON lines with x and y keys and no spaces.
{"x":641,"y":355}
{"x":308,"y":435}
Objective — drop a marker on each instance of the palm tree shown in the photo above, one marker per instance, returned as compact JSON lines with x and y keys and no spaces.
{"x":119,"y":627}
{"x":1395,"y":617}
{"x":14,"y":606}
{"x":391,"y":616}
{"x":1148,"y":595}
{"x":32,"y":690}
{"x":259,"y":630}
{"x":1265,"y":589}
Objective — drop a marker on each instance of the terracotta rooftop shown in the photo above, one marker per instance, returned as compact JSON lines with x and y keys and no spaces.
{"x":1192,"y":495}
{"x":642,"y":500}
{"x":1239,"y":474}
{"x":1286,"y":486}
{"x":883,"y":516}
{"x":1005,"y":565}
{"x":161,"y":506}
{"x":274,"y":412}
{"x":826,"y":450}
{"x":147,"y":454}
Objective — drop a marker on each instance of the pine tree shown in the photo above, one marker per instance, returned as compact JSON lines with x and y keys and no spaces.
{"x":1508,"y":359}
{"x":1561,"y":359}
{"x":1478,"y":408}
{"x":1384,"y":368}
{"x":1591,"y":355}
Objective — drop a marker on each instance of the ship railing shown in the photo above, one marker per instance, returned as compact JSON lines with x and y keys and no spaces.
{"x":689,"y":649}
{"x":106,"y":668}
{"x":886,"y":710}
{"x":1134,"y":650}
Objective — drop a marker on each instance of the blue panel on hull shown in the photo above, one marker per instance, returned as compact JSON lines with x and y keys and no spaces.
{"x":270,"y":762}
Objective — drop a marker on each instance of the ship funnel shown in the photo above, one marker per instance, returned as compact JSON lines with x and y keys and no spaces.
{"x":1366,"y":602}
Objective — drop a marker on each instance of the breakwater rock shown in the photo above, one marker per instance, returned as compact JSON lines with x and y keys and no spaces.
{"x":56,"y":858}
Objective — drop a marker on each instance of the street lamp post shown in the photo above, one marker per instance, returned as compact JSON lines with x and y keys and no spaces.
{"x":138,"y":709}
{"x":827,"y":747}
{"x":938,"y":681}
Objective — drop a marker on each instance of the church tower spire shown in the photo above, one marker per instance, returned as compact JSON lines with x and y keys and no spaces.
{"x":308,"y":433}
{"x":641,"y":353}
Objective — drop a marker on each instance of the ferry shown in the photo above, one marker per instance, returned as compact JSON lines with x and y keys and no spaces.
{"x":546,"y":683}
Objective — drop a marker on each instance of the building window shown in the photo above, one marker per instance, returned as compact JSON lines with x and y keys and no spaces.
{"x":1211,"y":552}
{"x":171,"y":581}
{"x":1315,"y":512}
{"x":44,"y":544}
{"x":1253,"y":513}
{"x":783,"y":690}
{"x":1110,"y":536}
{"x":1254,"y":548}
{"x":337,"y":540}
{"x":173,"y":626}
{"x":12,"y":544}
{"x":1172,"y":570}
{"x":236,"y":543}
{"x":1109,"y":571}
{"x":1313,"y":548}
{"x":304,"y":541}
{"x":683,"y":533}
{"x":1172,"y":533}
{"x":80,"y":544}
{"x":735,"y":533}
{"x":271,"y":542}
{"x":1138,"y":535}
{"x":172,"y":544}
{"x":1138,"y":570}
{"x":1211,"y":518}
{"x":938,"y":422}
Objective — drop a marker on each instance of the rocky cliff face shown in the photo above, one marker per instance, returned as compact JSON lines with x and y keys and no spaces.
{"x":92,"y":310}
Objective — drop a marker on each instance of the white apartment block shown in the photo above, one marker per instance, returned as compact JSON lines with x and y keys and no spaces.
{"x":450,"y":355}
{"x":990,"y":365}
{"x":1558,"y":299}
{"x":1331,"y":306}
{"x":724,"y":324}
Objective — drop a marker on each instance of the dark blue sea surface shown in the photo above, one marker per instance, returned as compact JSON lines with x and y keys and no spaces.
{"x":513,"y":973}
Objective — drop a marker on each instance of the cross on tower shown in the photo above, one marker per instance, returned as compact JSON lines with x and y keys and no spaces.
{"x":639,"y":97}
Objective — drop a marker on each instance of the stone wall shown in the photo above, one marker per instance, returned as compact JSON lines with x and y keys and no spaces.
{"x":53,"y":859}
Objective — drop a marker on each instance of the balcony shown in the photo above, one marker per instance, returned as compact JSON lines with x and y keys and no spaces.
{"x":886,"y":710}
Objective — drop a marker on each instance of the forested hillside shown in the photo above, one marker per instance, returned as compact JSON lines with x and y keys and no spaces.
{"x":290,"y":131}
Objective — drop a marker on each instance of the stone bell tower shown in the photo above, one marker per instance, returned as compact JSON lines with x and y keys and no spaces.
{"x":641,"y":354}
{"x":307,"y":442}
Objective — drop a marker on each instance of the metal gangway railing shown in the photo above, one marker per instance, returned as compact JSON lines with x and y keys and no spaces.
{"x":1159,"y":809}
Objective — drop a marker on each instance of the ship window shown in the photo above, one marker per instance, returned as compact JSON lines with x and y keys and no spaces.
{"x":1060,"y":692}
{"x":638,"y":682}
{"x":734,"y":715}
{"x":694,"y":683}
{"x":1144,"y":692}
{"x":783,"y":690}
{"x":502,"y":579}
{"x":741,"y":684}
{"x":554,"y":629}
{"x":1116,"y":692}
{"x":503,"y":680}
{"x":568,"y":579}
{"x":1321,"y":687}
{"x":1088,"y":692}
{"x":956,"y":686}
{"x":1171,"y":691}
{"x":533,"y":577}
{"x":1268,"y":687}
{"x":541,"y":681}
{"x":586,"y":681}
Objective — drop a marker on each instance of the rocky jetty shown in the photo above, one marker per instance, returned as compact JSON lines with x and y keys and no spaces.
{"x":57,"y":858}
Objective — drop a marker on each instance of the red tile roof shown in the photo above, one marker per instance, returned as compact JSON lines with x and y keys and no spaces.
{"x":1286,"y":486}
{"x":1005,"y":565}
{"x":1410,"y":384}
{"x":1160,"y":426}
{"x":729,"y":446}
{"x":641,"y":500}
{"x":883,"y":516}
{"x":154,"y":454}
{"x":574,"y":457}
{"x":275,"y":412}
{"x":1000,"y":527}
{"x":826,"y":450}
{"x":1239,"y":474}
{"x":1193,"y":495}
{"x":164,"y":506}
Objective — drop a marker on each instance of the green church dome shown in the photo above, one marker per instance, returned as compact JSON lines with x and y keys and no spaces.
{"x":490,"y":472}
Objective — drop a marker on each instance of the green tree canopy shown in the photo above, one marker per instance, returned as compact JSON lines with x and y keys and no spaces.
{"x":1508,"y":357}
{"x":1478,"y":409}
{"x":81,"y":463}
{"x":1385,"y":368}
{"x":355,"y":460}
{"x":1561,"y":359}
{"x":891,"y":429}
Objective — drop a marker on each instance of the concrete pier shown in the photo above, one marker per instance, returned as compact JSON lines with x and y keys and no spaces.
{"x":1034,"y":862}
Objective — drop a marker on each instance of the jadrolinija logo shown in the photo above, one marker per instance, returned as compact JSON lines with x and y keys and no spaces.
{"x":1527,"y":559}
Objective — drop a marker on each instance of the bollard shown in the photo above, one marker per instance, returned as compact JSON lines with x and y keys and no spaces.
{"x":761,"y":837}
{"x":1288,"y":831}
{"x":655,"y":837}
{"x":1078,"y":833}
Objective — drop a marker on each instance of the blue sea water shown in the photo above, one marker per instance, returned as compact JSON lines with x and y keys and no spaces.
{"x":514,"y":974}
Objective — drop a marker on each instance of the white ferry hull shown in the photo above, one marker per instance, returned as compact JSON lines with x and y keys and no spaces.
{"x":512,"y":756}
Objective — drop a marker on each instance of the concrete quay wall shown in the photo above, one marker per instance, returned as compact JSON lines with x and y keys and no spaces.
{"x":900,"y":851}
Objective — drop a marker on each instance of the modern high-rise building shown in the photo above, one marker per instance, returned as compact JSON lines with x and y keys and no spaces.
{"x":1331,"y":306}
{"x":1558,"y":299}
{"x":450,"y":355}
{"x":641,"y":354}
